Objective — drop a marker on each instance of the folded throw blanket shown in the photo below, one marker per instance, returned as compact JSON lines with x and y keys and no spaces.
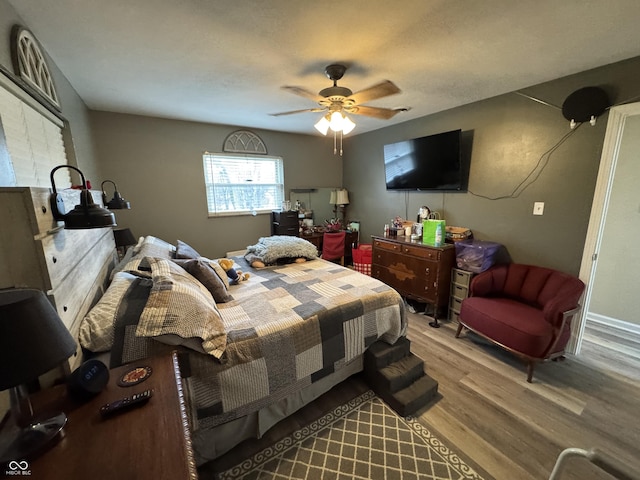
{"x":280,"y":249}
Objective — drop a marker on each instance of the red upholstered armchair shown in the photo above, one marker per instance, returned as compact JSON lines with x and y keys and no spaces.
{"x":524,"y":309}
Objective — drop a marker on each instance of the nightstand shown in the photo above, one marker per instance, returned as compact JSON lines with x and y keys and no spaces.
{"x":148,"y":442}
{"x":285,"y":223}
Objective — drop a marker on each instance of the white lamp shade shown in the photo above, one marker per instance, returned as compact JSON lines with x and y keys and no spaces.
{"x":333,"y":197}
{"x":347,"y":125}
{"x":336,"y":121}
{"x":323,"y":125}
{"x":342,"y":197}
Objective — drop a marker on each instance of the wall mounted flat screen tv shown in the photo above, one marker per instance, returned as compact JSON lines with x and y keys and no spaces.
{"x":430,"y":163}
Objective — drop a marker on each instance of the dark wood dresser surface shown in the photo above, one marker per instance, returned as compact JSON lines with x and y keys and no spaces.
{"x":148,"y":442}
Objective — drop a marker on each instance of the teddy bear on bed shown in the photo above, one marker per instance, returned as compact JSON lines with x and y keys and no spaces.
{"x":235,"y":275}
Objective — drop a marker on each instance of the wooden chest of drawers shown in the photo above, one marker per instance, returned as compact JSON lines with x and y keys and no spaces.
{"x":285,"y":223}
{"x":417,"y":271}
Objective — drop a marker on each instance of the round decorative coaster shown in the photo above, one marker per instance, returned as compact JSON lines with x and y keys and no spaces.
{"x":134,"y":376}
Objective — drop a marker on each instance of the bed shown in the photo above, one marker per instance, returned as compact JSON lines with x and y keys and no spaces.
{"x":250,"y":354}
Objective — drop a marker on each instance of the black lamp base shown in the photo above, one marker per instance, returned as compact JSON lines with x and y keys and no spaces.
{"x":34,"y":438}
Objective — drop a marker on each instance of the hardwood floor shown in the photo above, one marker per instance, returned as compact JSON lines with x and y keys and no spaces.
{"x":490,"y":415}
{"x":516,"y":430}
{"x":611,"y":350}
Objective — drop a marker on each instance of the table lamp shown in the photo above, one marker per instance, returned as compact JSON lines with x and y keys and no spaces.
{"x":333,"y":200}
{"x":342,"y":199}
{"x":33,"y":341}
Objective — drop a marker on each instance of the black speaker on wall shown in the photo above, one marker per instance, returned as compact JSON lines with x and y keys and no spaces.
{"x":88,"y":379}
{"x":585,"y":104}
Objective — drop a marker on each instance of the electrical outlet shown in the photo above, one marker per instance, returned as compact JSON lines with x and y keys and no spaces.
{"x":538,"y":208}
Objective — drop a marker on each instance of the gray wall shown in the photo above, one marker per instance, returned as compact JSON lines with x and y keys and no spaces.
{"x":78,"y":140}
{"x":510,"y":134}
{"x":157,"y":165}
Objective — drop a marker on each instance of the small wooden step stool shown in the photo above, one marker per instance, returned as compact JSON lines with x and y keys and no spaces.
{"x":397,"y":376}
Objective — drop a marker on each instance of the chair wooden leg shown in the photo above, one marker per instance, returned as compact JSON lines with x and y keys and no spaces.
{"x":459,"y":330}
{"x":530,"y":368}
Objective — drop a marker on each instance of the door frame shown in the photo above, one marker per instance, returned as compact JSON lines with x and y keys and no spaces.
{"x":599,"y":208}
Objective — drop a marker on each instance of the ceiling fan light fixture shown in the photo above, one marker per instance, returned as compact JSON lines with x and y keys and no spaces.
{"x":323,"y":125}
{"x":335,"y":123}
{"x":347,"y":125}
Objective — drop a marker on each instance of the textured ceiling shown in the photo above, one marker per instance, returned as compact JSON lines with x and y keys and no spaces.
{"x":225,"y":61}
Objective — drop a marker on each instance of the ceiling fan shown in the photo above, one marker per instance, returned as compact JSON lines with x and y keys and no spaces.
{"x":337,"y":101}
{"x":338,"y":98}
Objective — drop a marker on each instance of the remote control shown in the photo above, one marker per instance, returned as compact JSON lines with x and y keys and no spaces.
{"x":125,"y":403}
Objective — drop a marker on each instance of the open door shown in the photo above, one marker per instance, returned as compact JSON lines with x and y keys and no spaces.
{"x":611,"y":254}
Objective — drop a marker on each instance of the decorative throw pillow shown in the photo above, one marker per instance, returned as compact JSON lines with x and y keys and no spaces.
{"x":126,"y":296}
{"x":180,"y":305}
{"x":155,"y":247}
{"x":184,"y":250}
{"x":205,"y":273}
{"x":139,"y":266}
{"x":219,"y":270}
{"x":149,"y":246}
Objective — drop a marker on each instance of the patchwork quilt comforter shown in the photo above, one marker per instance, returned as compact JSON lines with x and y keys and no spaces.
{"x":287,"y":327}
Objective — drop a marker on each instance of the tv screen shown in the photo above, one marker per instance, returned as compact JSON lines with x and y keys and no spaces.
{"x":431,"y":163}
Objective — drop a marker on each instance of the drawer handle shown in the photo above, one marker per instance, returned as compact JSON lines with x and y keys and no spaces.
{"x":44,"y":209}
{"x":55,"y":260}
{"x":426,"y":288}
{"x":395,"y":247}
{"x":65,"y":308}
{"x":427,"y":271}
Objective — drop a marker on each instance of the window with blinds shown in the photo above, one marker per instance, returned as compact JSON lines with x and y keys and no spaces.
{"x":243,"y":184}
{"x":34,"y":144}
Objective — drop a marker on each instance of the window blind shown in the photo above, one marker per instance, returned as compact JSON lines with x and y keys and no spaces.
{"x":239,"y":184}
{"x":34,"y":143}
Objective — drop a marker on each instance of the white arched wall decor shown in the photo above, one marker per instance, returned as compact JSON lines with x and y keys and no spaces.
{"x":30,"y":64}
{"x":244,"y":141}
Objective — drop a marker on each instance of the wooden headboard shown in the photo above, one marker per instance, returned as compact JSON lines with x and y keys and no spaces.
{"x":71,"y":266}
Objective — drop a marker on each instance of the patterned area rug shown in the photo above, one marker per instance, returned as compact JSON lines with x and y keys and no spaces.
{"x":363,"y":439}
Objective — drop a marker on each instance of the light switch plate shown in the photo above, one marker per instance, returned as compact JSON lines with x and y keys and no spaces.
{"x":538,"y":208}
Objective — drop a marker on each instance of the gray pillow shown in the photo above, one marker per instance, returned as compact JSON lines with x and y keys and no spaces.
{"x":184,"y":250}
{"x":204,"y":272}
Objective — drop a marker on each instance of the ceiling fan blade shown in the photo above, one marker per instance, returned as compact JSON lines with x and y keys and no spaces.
{"x":302,"y":93}
{"x":375,"y":112}
{"x":297,"y":111}
{"x":382,"y":89}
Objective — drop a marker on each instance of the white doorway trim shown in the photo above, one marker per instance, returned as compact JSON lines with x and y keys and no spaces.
{"x":599,"y":207}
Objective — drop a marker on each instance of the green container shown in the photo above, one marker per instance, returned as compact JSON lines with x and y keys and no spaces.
{"x":433,"y":232}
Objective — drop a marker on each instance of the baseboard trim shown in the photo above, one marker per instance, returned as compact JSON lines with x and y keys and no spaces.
{"x":620,"y":326}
